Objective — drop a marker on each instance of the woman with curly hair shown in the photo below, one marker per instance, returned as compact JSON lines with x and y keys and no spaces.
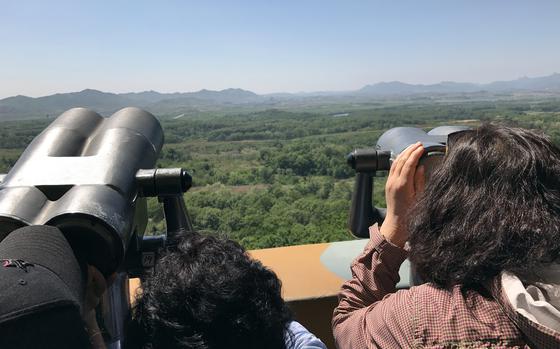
{"x":484,"y":236}
{"x":208,"y":293}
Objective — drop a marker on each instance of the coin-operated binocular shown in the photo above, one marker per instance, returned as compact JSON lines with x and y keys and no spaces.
{"x":90,"y":177}
{"x":368,"y":161}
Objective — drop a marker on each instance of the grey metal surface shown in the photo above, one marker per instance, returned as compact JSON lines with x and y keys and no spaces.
{"x":115,"y":309}
{"x":79,"y":175}
{"x":447,"y":130}
{"x":339,"y":255}
{"x":114,"y":345}
{"x":399,"y":138}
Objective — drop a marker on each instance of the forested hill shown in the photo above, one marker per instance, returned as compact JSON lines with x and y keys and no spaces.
{"x":238,"y":100}
{"x":279,"y":177}
{"x":22,"y":107}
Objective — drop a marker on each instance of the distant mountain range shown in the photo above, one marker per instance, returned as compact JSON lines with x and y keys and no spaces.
{"x":105,"y":102}
{"x":539,"y":84}
{"x":20,"y":107}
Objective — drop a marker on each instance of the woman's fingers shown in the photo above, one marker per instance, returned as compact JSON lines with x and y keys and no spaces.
{"x":400,"y":192}
{"x":409,"y":167}
{"x":402,"y":158}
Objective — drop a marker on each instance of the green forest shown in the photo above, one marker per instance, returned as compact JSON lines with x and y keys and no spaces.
{"x":279,"y":177}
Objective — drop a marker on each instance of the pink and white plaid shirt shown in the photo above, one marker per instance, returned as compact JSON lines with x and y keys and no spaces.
{"x":372,"y":314}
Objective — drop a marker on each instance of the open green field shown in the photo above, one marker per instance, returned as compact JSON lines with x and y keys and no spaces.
{"x":279,"y":177}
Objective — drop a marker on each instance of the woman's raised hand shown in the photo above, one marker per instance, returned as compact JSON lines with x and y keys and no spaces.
{"x":406,"y":180}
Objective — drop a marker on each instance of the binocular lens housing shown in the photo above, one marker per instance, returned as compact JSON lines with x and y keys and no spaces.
{"x":79,"y":174}
{"x":368,"y":161}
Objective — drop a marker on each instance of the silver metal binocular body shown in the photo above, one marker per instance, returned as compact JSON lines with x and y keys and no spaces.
{"x":79,"y":174}
{"x":368,"y":161}
{"x":89,"y":176}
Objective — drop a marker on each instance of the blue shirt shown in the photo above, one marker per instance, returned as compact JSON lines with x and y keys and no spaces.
{"x":300,"y":338}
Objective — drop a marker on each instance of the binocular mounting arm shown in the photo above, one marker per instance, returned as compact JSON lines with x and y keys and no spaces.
{"x":168,"y":185}
{"x":362,"y":213}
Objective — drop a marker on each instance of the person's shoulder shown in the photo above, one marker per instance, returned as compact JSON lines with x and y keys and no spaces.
{"x":298,"y":337}
{"x":430,"y":289}
{"x":437,"y":298}
{"x":427,"y":291}
{"x":454,"y":292}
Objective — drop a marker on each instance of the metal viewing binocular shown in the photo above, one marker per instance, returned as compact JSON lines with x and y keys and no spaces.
{"x":90,"y":177}
{"x":368,"y":161}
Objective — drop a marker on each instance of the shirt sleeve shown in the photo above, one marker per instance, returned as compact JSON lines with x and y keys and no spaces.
{"x":370,"y":313}
{"x":300,"y":338}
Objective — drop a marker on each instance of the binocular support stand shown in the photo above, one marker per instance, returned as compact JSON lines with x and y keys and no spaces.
{"x":168,"y":185}
{"x":362,"y":213}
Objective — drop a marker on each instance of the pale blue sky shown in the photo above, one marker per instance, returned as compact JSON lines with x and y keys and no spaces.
{"x":268,"y":45}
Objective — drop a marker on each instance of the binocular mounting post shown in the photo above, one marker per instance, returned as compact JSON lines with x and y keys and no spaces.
{"x":362,"y":213}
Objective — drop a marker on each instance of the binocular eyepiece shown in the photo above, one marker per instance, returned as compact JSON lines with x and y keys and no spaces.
{"x":366,"y":162}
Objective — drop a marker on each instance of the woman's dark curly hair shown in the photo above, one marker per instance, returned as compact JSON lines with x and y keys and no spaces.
{"x":492,"y":206}
{"x":208,"y":293}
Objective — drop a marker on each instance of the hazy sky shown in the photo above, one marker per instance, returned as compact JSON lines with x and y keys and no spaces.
{"x":268,"y":45}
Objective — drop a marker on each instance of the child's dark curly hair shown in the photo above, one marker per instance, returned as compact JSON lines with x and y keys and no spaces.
{"x":208,"y":293}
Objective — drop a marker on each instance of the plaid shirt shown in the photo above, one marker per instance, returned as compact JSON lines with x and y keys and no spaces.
{"x":372,"y":314}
